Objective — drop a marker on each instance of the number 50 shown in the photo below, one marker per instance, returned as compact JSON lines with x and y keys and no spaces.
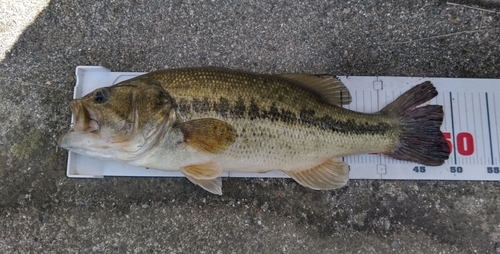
{"x":464,"y":145}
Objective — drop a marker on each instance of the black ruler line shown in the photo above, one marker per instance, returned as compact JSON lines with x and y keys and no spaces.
{"x":453,"y":130}
{"x":489,"y":128}
{"x":496,"y":125}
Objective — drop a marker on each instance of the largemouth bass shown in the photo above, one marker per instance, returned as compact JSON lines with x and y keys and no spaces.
{"x":201,"y":121}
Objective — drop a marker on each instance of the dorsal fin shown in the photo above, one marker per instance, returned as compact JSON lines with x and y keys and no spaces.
{"x":331,"y":90}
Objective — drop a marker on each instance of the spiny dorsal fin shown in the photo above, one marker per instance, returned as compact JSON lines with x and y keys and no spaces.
{"x":208,"y":134}
{"x":330,"y":89}
{"x":331,"y":174}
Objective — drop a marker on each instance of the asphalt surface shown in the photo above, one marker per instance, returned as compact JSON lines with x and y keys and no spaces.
{"x":43,"y":211}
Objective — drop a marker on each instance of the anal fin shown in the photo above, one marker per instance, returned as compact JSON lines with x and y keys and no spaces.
{"x":211,"y":185}
{"x":331,"y":174}
{"x":205,"y":175}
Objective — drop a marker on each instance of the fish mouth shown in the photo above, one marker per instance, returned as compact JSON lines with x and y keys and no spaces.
{"x":85,"y":118}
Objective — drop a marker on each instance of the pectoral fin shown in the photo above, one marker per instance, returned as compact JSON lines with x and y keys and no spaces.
{"x":331,"y":174}
{"x":208,"y":134}
{"x":205,"y":175}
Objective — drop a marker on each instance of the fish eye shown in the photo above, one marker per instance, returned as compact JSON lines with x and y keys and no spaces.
{"x":101,"y":95}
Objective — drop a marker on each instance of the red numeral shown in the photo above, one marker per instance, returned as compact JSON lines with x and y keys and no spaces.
{"x":465,"y":143}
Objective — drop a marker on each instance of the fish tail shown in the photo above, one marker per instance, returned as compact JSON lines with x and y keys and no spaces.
{"x":420,"y":139}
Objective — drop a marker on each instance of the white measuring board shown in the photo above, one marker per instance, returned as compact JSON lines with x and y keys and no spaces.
{"x":471,"y":126}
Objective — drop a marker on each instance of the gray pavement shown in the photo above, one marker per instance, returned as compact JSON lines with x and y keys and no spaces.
{"x":43,"y":211}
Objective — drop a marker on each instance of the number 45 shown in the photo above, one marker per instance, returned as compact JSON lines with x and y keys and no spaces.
{"x":420,"y":169}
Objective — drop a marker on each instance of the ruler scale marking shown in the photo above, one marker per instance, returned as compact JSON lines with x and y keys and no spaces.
{"x":381,"y":159}
{"x":481,"y":159}
{"x":453,"y":130}
{"x":466,"y":112}
{"x":465,"y":119}
{"x":356,"y":105}
{"x":459,"y":108}
{"x":489,"y":127}
{"x":364,"y":101}
{"x":444,"y":120}
{"x":473,"y":117}
{"x":460,"y":128}
{"x":496,"y":125}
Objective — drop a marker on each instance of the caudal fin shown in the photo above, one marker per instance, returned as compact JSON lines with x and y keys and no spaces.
{"x":420,"y":139}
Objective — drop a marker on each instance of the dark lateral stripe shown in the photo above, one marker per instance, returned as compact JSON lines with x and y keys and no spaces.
{"x":200,"y":106}
{"x":306,"y":117}
{"x":222,"y":107}
{"x":238,"y":110}
{"x":253,"y":110}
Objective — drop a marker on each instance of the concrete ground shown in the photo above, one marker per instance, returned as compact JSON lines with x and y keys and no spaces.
{"x":43,"y":211}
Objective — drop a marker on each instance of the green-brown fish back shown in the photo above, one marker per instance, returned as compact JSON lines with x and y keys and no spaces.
{"x":226,"y":94}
